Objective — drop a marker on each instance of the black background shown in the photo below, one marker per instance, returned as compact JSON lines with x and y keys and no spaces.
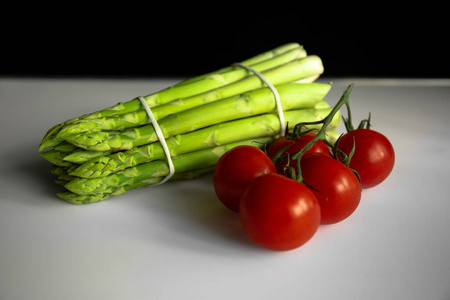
{"x":167,"y":40}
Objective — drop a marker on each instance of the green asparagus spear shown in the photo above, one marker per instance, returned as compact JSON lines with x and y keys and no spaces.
{"x":81,"y":156}
{"x":215,"y":135}
{"x":292,"y":96}
{"x":187,"y":88}
{"x":182,"y":163}
{"x":91,"y":198}
{"x":56,"y":157}
{"x":265,"y":56}
{"x":288,"y":72}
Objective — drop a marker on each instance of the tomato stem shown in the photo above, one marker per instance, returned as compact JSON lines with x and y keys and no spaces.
{"x":349,"y":123}
{"x":321,"y":134}
{"x":365,"y":124}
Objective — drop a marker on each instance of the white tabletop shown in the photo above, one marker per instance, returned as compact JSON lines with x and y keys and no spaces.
{"x":176,"y":241}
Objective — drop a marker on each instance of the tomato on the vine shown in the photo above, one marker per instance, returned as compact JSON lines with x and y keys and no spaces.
{"x":279,"y":213}
{"x":335,"y":186}
{"x":295,"y":145}
{"x":373,"y":158}
{"x":236,"y":169}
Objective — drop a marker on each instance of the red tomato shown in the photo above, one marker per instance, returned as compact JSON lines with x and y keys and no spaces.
{"x":295,"y":145}
{"x":374,"y":155}
{"x":336,"y":187}
{"x":279,"y":213}
{"x":235,"y":170}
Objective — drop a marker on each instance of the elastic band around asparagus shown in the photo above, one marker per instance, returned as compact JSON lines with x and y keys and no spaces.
{"x":162,"y":140}
{"x":274,"y":91}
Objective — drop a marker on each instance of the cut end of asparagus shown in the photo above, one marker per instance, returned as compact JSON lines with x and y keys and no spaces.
{"x":82,"y":199}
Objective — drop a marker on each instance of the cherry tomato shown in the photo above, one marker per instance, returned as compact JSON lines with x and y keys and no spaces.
{"x":279,"y":213}
{"x":335,"y":186}
{"x":295,"y":145}
{"x":374,"y":155}
{"x":235,"y":170}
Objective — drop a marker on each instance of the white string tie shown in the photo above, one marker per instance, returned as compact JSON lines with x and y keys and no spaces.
{"x":162,"y":140}
{"x":275,"y":93}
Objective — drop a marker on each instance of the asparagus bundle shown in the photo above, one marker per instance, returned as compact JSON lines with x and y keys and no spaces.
{"x":113,"y":150}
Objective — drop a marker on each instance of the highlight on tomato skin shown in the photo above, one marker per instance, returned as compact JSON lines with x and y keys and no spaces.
{"x":373,"y":158}
{"x":335,"y":186}
{"x":279,"y":213}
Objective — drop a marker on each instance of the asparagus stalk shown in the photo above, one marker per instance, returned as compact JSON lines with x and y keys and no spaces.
{"x":265,"y":56}
{"x":288,"y":72}
{"x":188,"y":88}
{"x":56,"y":157}
{"x":87,"y":163}
{"x":62,"y":173}
{"x":75,"y":198}
{"x":91,"y":198}
{"x":81,"y":156}
{"x":292,"y":95}
{"x":78,"y":156}
{"x":211,"y":82}
{"x":308,"y":95}
{"x":182,"y":163}
{"x":215,"y":135}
